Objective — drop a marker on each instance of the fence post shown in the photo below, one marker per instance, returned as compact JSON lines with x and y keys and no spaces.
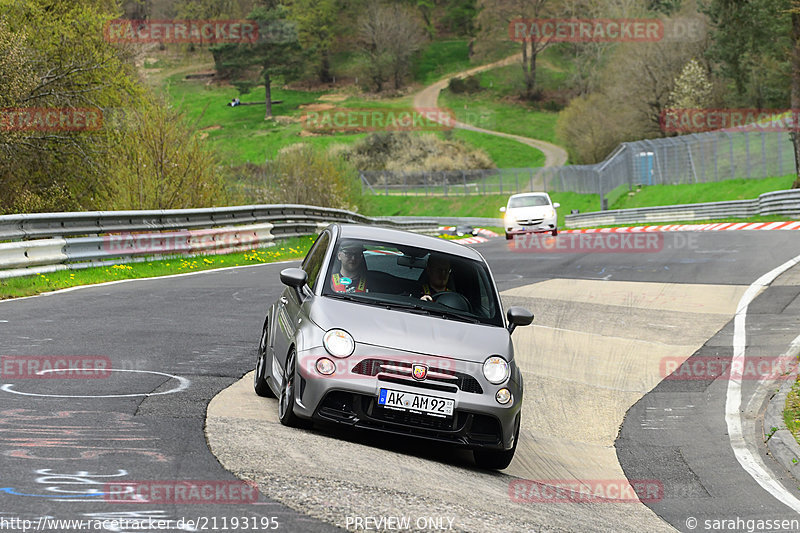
{"x":763,"y":154}
{"x":516,"y":177}
{"x":780,"y":155}
{"x":464,"y":179}
{"x":386,"y":183}
{"x":501,"y":182}
{"x":444,"y":179}
{"x":733,"y":160}
{"x":747,"y":151}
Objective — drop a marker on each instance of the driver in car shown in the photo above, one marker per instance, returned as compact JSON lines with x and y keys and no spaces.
{"x":438,"y":273}
{"x":352,"y":275}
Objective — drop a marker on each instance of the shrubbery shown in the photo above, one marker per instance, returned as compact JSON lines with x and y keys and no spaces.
{"x":464,"y":85}
{"x":405,"y":152}
{"x":301,"y":174}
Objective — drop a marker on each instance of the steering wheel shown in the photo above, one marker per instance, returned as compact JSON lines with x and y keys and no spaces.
{"x":452,"y":299}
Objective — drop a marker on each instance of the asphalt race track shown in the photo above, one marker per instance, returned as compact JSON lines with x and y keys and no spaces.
{"x":598,"y":411}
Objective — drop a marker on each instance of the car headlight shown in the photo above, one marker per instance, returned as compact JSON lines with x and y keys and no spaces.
{"x":496,"y":370}
{"x":339,"y":343}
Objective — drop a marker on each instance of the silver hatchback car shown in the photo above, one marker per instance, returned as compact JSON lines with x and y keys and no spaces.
{"x":399,"y":333}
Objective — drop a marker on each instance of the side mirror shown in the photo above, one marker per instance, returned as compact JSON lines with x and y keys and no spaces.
{"x":518,"y":316}
{"x":296,"y":278}
{"x":556,"y":205}
{"x":503,"y":209}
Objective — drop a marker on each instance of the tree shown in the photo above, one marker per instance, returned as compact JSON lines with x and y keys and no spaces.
{"x":277,"y":52}
{"x":316,"y":21}
{"x":52,"y":55}
{"x":389,"y":36}
{"x":692,"y":88}
{"x":493,"y":20}
{"x":759,"y":57}
{"x":158,"y":163}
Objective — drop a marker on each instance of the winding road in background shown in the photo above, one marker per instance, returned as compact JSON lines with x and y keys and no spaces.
{"x":554,"y":155}
{"x":177,"y":407}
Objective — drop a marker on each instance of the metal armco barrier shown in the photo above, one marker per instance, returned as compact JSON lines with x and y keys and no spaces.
{"x":80,"y":240}
{"x":785,"y":203}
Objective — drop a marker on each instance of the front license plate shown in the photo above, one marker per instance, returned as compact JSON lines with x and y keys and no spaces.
{"x":408,"y":401}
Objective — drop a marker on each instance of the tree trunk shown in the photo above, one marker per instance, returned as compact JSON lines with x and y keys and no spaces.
{"x":267,"y":83}
{"x":795,"y":98}
{"x":325,"y":68}
{"x":531,"y":81}
{"x":525,"y":64}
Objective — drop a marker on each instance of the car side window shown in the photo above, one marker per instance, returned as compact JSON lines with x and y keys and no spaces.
{"x":315,"y":257}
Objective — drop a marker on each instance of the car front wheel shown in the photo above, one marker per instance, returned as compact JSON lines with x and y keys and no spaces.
{"x":286,"y":401}
{"x":497,"y":460}
{"x":260,"y":384}
{"x":554,"y":232}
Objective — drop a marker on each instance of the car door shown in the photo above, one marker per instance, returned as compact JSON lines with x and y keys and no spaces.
{"x":289,"y":309}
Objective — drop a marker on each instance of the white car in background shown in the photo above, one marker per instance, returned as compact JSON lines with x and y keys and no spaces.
{"x":530,"y":212}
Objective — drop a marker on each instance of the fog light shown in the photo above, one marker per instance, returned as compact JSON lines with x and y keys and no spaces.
{"x":503,"y":396}
{"x":326,"y":367}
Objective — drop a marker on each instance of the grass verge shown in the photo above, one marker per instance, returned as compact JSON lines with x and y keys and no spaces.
{"x":695,"y":193}
{"x":487,"y":206}
{"x":791,"y":415}
{"x":295,"y":248}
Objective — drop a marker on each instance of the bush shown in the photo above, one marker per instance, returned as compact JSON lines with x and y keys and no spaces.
{"x":410,"y":152}
{"x":464,"y":85}
{"x":155,"y":161}
{"x":299,"y":174}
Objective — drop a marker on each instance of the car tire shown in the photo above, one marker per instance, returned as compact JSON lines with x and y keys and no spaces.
{"x":260,"y":384}
{"x":554,"y":232}
{"x":494,"y":459}
{"x":509,"y":236}
{"x":286,"y":399}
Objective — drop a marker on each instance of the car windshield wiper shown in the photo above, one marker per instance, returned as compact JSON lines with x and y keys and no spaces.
{"x":457,"y":316}
{"x":427,"y":310}
{"x":352,"y":298}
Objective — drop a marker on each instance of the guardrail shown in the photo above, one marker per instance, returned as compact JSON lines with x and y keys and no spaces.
{"x":46,"y":242}
{"x":785,"y":203}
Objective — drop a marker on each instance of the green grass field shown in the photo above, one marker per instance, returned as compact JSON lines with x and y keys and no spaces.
{"x":702,"y":192}
{"x":295,"y":248}
{"x":488,"y":205}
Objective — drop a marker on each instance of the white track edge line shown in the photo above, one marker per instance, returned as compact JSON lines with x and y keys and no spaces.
{"x":747,"y":457}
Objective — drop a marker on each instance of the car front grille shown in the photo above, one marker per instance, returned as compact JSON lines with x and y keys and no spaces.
{"x":471,"y":429}
{"x":529,"y":221}
{"x":400,"y":372}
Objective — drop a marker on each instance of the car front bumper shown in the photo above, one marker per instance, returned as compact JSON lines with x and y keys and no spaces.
{"x":350,"y":397}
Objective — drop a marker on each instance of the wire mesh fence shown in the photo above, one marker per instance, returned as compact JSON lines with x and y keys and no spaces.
{"x":696,"y":158}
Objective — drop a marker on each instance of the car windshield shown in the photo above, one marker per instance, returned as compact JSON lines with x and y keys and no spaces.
{"x":413,"y":280}
{"x":528,"y":201}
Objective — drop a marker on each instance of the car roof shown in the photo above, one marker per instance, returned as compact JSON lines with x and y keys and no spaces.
{"x":529,"y":194}
{"x":393,"y":236}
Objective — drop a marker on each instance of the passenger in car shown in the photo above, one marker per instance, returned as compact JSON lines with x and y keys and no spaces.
{"x":352,"y":275}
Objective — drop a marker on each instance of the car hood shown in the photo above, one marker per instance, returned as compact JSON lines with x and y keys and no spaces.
{"x":537,"y":211}
{"x":401,"y":330}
